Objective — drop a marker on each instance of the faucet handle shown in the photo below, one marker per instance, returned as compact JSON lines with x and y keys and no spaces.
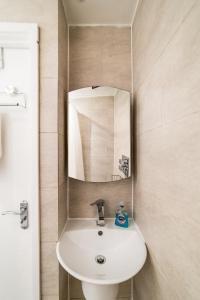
{"x":99,"y":202}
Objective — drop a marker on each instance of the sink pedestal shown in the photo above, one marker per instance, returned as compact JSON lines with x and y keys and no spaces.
{"x":100,"y":292}
{"x":101,"y":258}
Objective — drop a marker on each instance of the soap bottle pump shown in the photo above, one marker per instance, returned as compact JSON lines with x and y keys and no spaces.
{"x":121,"y":216}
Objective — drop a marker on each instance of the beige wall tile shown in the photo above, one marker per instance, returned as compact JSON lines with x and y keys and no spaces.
{"x":49,"y":159}
{"x":75,"y":288}
{"x":91,"y":70}
{"x":49,"y":214}
{"x":168,"y":132}
{"x":50,"y":269}
{"x":49,"y":50}
{"x":173,"y":166}
{"x":84,"y":53}
{"x":100,"y":56}
{"x":162,"y":97}
{"x":155,"y":25}
{"x":81,"y":194}
{"x":148,"y":105}
{"x":62,"y":207}
{"x":48,"y":105}
{"x":62,"y":67}
{"x":62,"y":101}
{"x":116,"y":66}
{"x":125,"y":289}
{"x":181,"y":96}
{"x":62,"y":43}
{"x":61,"y":159}
{"x":63,"y":284}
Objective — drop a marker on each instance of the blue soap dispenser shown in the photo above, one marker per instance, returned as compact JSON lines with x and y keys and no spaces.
{"x":121,"y":216}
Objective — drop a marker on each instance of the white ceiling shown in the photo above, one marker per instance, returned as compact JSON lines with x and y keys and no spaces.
{"x":99,"y":12}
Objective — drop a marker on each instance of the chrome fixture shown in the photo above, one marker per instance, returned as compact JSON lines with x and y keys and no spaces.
{"x":23,"y":213}
{"x":100,"y":210}
{"x":100,"y":259}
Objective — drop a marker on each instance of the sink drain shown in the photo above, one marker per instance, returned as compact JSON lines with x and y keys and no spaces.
{"x":100,"y":259}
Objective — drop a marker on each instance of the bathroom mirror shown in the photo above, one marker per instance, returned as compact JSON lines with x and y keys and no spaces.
{"x":99,"y":134}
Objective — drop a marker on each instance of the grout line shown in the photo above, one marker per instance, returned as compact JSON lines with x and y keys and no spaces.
{"x":65,"y":10}
{"x":135,"y":12}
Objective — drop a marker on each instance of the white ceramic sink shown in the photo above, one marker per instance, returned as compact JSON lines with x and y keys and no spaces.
{"x":82,"y":242}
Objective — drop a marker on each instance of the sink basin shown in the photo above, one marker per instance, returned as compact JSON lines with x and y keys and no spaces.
{"x":101,"y":256}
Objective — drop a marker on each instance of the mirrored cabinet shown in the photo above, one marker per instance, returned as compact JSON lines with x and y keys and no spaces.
{"x":99,"y":144}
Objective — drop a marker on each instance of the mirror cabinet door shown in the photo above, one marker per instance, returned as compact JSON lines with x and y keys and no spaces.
{"x":99,"y":144}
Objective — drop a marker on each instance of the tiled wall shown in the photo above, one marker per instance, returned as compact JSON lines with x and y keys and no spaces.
{"x":99,"y":56}
{"x":52,"y":85}
{"x":166,"y":64}
{"x":81,"y":194}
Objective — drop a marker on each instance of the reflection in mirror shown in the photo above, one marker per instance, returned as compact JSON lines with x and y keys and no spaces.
{"x":99,"y":134}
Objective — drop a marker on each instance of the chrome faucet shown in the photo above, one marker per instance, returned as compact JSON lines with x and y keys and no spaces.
{"x":100,"y":210}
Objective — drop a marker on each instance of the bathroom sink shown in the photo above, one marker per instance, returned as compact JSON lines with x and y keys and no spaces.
{"x":101,"y":255}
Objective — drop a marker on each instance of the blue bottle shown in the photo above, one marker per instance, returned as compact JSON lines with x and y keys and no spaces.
{"x":121,"y":216}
